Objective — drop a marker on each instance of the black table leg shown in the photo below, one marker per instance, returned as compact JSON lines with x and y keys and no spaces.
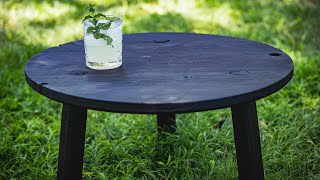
{"x":166,"y":122}
{"x":247,"y":140}
{"x":72,"y":138}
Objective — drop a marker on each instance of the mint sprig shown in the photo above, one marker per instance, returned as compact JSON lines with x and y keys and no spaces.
{"x":95,"y":29}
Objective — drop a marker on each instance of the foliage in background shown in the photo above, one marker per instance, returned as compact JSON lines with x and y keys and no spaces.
{"x":126,"y":146}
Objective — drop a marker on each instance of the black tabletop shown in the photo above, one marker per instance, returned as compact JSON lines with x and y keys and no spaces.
{"x":163,"y":72}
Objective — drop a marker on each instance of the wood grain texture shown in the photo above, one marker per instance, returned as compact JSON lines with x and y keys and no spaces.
{"x":163,"y":73}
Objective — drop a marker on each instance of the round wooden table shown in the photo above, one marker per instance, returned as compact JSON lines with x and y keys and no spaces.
{"x":163,"y":74}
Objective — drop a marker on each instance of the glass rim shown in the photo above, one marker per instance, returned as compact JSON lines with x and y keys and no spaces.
{"x":119,"y":20}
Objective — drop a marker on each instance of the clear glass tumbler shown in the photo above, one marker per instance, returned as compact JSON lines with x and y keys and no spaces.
{"x":99,"y":55}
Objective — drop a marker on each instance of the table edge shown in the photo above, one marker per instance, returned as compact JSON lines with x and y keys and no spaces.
{"x":144,"y":108}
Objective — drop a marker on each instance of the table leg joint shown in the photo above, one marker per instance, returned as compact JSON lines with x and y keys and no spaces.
{"x":166,"y":122}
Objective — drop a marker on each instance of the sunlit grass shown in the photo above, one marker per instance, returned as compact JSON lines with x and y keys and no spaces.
{"x":33,"y":11}
{"x":126,"y":146}
{"x":202,"y":19}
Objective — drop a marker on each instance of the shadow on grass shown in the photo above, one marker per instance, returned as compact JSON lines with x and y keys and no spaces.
{"x":294,"y":21}
{"x":169,"y":22}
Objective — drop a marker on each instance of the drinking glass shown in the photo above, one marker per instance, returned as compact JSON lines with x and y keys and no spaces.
{"x":99,"y":55}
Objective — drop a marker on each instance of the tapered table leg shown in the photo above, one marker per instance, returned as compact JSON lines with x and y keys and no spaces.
{"x":72,"y":138}
{"x":166,"y":122}
{"x":247,"y":140}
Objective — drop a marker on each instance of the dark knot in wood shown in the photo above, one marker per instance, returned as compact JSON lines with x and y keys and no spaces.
{"x":275,"y":54}
{"x":164,"y":41}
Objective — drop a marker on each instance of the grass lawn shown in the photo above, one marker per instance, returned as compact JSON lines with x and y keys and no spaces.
{"x":123,"y":146}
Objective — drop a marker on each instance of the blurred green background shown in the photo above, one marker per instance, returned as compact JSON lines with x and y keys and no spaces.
{"x":123,"y":146}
